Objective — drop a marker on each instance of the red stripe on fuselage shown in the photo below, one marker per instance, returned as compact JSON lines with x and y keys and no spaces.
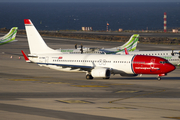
{"x":143,"y":64}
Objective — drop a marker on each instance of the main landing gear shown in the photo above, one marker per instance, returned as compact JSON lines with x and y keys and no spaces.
{"x":89,"y":76}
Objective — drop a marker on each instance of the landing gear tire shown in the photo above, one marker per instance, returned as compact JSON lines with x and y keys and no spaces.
{"x":89,"y":77}
{"x":159,"y":78}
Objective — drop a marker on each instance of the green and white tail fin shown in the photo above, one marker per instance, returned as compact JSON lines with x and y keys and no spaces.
{"x":132,"y":43}
{"x":129,"y":45}
{"x":9,"y":37}
{"x":35,"y":41}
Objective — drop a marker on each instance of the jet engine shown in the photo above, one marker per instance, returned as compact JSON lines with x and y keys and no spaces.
{"x":101,"y":72}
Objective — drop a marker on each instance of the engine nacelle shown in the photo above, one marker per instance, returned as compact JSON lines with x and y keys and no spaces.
{"x":101,"y":72}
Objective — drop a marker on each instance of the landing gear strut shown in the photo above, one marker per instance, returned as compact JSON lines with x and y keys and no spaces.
{"x":88,"y":76}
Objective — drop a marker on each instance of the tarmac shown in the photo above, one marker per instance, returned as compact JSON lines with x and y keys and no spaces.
{"x":28,"y":91}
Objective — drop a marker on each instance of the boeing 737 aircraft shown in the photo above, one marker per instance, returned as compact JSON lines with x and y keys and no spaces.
{"x":9,"y":37}
{"x":130,"y":45}
{"x":173,"y":56}
{"x":95,"y":65}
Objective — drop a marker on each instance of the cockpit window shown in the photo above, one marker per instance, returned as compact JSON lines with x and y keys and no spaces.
{"x":163,"y":62}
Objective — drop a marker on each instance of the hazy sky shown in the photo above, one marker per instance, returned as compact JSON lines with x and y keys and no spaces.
{"x":89,"y":0}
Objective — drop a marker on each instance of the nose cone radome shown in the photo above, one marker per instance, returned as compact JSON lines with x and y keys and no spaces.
{"x":170,"y":67}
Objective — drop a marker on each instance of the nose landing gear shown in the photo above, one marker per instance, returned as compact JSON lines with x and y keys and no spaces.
{"x":159,"y":76}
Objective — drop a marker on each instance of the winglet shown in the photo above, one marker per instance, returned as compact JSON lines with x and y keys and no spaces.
{"x":25,"y":57}
{"x":126,"y":52}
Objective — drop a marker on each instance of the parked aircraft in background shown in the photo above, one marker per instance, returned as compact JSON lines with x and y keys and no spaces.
{"x":9,"y":37}
{"x":130,"y":45}
{"x":173,"y":56}
{"x":95,"y":65}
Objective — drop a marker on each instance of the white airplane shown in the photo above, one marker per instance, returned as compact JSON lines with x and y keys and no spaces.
{"x":173,"y":56}
{"x":130,"y":45}
{"x":9,"y":37}
{"x":95,"y":65}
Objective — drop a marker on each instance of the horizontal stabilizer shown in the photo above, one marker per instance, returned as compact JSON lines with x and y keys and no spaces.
{"x":25,"y":57}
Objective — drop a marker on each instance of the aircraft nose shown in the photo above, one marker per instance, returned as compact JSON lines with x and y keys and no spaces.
{"x":170,"y":67}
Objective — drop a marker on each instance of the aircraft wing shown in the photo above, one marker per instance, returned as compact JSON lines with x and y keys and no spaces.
{"x":70,"y":66}
{"x":66,"y":65}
